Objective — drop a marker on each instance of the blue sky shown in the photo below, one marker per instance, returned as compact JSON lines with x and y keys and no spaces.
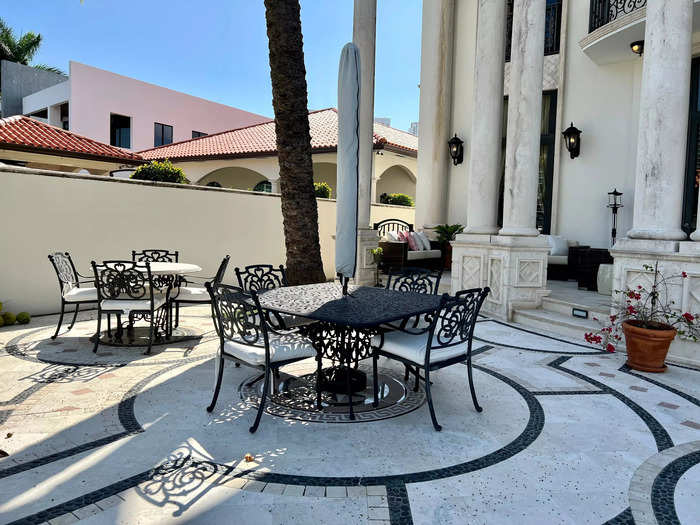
{"x":217,"y":49}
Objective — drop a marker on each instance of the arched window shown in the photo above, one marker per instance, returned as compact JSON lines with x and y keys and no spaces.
{"x":214,"y":184}
{"x":263,"y":185}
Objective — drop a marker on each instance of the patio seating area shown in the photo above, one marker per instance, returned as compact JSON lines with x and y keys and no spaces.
{"x":120,"y":436}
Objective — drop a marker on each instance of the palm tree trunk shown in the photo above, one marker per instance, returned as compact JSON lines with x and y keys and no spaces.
{"x":289,"y":100}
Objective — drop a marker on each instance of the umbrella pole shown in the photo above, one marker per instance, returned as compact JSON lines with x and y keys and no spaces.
{"x":344,"y":281}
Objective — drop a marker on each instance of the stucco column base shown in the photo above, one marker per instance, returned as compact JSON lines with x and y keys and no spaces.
{"x":673,"y":258}
{"x":514,"y":267}
{"x":365,"y":272}
{"x":481,"y":230}
{"x":675,"y":234}
{"x":518,"y":231}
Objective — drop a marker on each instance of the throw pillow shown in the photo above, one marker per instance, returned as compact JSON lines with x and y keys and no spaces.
{"x":412,"y":244}
{"x":424,"y":240}
{"x":393,"y":236}
{"x":559,"y":245}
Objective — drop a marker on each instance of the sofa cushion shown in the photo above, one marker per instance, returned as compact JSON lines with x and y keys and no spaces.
{"x":558,"y":259}
{"x":424,"y":254}
{"x":283,"y":346}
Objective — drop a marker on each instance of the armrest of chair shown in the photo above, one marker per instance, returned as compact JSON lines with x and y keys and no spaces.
{"x":435,"y":245}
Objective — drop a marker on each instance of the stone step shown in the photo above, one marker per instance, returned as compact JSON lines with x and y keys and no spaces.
{"x":563,"y":307}
{"x":555,"y":322}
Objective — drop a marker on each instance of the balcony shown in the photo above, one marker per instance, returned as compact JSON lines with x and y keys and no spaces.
{"x":552,"y":30}
{"x":606,"y":11}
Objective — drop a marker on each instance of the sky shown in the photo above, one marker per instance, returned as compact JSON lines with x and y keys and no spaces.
{"x":217,"y":49}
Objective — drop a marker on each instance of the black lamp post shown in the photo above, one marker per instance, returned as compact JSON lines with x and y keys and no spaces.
{"x":614,"y":203}
{"x":572,"y":136}
{"x":456,"y":149}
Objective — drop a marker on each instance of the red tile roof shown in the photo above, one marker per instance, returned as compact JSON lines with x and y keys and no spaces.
{"x":260,"y":139}
{"x":33,"y":136}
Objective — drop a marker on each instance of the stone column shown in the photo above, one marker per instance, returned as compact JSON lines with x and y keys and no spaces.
{"x":364,"y":36}
{"x":486,"y":133}
{"x":663,"y":121}
{"x":275,"y":183}
{"x":435,"y":112}
{"x":524,"y":119}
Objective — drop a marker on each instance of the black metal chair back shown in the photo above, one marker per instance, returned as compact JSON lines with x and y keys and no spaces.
{"x":418,"y":280}
{"x":219,"y":277}
{"x":258,"y":277}
{"x":65,"y":271}
{"x":454,"y":322}
{"x":236,"y":316}
{"x":154,"y":255}
{"x":129,"y":281}
{"x":392,"y":225}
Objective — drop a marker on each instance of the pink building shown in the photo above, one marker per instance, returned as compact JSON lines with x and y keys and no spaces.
{"x":129,"y":113}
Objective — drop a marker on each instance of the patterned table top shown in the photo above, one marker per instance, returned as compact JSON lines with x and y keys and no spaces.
{"x":363,"y":307}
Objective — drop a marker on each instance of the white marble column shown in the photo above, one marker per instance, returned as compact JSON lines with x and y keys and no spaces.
{"x":487,"y":121}
{"x":524,"y":119}
{"x":434,"y":112}
{"x":364,"y":36}
{"x":663,"y":121}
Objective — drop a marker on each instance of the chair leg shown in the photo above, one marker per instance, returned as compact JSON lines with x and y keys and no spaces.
{"x":319,"y":381}
{"x":375,"y":380}
{"x":261,"y":408}
{"x":217,"y":387}
{"x":406,"y":373}
{"x":415,"y":386}
{"x":75,"y":316}
{"x":348,"y":384}
{"x":60,"y":319}
{"x":150,"y":333}
{"x":109,"y":325}
{"x":471,"y":385}
{"x":430,"y":401}
{"x":177,"y":315}
{"x":97,"y":334}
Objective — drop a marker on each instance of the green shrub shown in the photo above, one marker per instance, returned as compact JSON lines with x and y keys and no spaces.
{"x":9,"y":318}
{"x":322,"y":190}
{"x":162,"y":171}
{"x":397,"y":199}
{"x":23,"y":317}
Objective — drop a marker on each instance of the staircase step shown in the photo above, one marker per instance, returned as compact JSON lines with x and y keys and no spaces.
{"x":555,"y":322}
{"x":560,"y":306}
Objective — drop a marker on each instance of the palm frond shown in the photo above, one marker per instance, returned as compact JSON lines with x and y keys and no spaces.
{"x":51,"y":69}
{"x":27,"y":46}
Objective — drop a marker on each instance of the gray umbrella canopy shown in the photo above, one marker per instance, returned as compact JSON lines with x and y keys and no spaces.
{"x":348,"y":161}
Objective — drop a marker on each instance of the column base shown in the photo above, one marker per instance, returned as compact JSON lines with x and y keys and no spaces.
{"x":482,"y":230}
{"x":660,"y":235}
{"x":514,"y":267}
{"x":518,"y":231}
{"x":365,"y":271}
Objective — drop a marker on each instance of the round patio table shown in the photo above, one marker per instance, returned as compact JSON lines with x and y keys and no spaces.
{"x":345,"y":324}
{"x":138,"y":336}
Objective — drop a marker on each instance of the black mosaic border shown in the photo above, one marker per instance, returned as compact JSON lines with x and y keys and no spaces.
{"x":399,"y":505}
{"x":664,"y":487}
{"x":624,"y":518}
{"x":661,"y":436}
{"x":544,"y":335}
{"x":694,"y":400}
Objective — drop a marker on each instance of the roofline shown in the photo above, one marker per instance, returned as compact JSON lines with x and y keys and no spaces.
{"x":70,"y":154}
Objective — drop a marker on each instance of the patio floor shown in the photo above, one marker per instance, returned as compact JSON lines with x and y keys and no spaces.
{"x":567,"y":435}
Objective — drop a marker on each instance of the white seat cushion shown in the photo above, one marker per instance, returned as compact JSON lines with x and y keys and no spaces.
{"x":282,"y":347}
{"x":192,"y":293}
{"x":412,"y":347}
{"x":81,"y":294}
{"x":557,"y":259}
{"x":558,"y":245}
{"x":128,"y":305}
{"x":425,"y":254}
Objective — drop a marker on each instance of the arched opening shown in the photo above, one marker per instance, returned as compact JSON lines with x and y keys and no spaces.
{"x":263,"y":185}
{"x":326,"y":172}
{"x":233,"y":177}
{"x":397,"y":179}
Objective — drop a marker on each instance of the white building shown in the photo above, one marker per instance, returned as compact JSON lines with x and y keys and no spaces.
{"x":129,"y":113}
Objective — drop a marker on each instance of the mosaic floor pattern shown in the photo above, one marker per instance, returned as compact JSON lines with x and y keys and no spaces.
{"x":567,"y":435}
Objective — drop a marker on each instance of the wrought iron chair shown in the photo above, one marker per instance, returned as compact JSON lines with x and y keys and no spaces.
{"x":448,"y":341}
{"x":185,"y":294}
{"x":69,"y":285}
{"x":128,"y":288}
{"x":246,"y":338}
{"x":155,"y":255}
{"x":417,"y":280}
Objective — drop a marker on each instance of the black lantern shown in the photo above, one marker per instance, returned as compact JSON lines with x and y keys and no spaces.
{"x":614,"y":203}
{"x":456,"y":149}
{"x":637,"y":47}
{"x":572,"y":136}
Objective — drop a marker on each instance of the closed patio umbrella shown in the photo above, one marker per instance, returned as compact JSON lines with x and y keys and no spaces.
{"x":348,"y":161}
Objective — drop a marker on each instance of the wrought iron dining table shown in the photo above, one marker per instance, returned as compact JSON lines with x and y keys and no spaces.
{"x":343,"y":326}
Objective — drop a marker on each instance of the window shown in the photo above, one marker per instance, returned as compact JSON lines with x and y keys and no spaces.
{"x":163,"y":134}
{"x":120,"y":131}
{"x":197,"y":134}
{"x":263,"y":185}
{"x":42,"y":114}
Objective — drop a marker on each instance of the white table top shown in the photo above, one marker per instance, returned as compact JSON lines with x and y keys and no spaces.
{"x":174,"y":268}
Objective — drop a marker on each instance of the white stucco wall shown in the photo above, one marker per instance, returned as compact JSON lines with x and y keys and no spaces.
{"x":95,"y":93}
{"x":56,"y":94}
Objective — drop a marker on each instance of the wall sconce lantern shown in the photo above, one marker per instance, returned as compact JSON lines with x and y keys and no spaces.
{"x":456,"y":149}
{"x":637,"y":47}
{"x":614,"y":203}
{"x":572,"y":136}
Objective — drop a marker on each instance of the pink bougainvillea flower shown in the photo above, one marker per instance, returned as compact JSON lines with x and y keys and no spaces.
{"x":610,"y":348}
{"x":684,"y":275}
{"x":688,"y":317}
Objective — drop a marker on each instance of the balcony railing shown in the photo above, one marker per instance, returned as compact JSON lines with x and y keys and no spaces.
{"x":552,"y":28}
{"x":606,"y":11}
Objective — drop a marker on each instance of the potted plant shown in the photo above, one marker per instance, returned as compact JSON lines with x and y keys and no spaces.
{"x":649,"y":321}
{"x":377,"y":257}
{"x":446,"y":233}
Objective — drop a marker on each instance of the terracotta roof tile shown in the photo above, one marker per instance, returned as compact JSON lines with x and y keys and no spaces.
{"x":260,"y":139}
{"x":28,"y":134}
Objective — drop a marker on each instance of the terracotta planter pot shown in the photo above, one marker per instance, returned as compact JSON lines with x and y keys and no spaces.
{"x":647,"y":348}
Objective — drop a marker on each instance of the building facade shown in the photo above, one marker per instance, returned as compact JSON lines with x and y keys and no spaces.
{"x":129,"y":113}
